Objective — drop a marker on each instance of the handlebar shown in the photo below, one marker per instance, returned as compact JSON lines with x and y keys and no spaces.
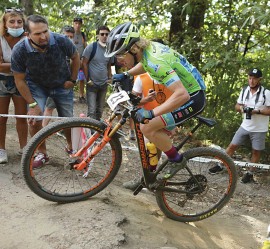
{"x":134,"y":99}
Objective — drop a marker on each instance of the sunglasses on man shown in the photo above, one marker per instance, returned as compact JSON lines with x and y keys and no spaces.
{"x":102,"y":34}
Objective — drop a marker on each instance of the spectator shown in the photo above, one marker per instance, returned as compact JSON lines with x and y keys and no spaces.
{"x":80,"y":43}
{"x":254,"y":103}
{"x":41,"y":71}
{"x":126,"y":86}
{"x":97,"y":72}
{"x":50,"y":105}
{"x":68,"y":31}
{"x":11,"y":31}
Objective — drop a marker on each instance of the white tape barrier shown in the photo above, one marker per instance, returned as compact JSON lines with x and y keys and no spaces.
{"x":31,"y":116}
{"x":207,"y":160}
{"x":201,"y":159}
{"x":237,"y":163}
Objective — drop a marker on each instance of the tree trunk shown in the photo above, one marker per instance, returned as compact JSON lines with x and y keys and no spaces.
{"x":186,"y":23}
{"x":28,"y":6}
{"x":177,"y":23}
{"x":195,"y":24}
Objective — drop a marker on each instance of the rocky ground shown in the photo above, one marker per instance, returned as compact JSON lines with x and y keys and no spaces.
{"x":117,"y":219}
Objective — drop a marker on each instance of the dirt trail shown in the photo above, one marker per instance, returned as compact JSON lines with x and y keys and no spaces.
{"x":117,"y":219}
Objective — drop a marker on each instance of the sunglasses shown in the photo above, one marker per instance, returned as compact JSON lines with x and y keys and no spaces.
{"x":13,"y":10}
{"x":102,"y":34}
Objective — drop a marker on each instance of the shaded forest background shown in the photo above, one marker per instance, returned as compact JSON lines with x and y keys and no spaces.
{"x":223,"y":39}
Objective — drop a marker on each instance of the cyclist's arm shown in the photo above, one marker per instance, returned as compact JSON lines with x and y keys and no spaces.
{"x":179,"y":97}
{"x":138,"y":69}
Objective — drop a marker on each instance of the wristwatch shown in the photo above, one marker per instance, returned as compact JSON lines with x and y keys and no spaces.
{"x":32,"y":105}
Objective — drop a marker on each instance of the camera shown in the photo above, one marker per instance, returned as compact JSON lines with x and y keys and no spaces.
{"x":248,"y":112}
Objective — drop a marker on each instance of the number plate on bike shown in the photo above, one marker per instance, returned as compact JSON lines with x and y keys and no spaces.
{"x":117,"y":98}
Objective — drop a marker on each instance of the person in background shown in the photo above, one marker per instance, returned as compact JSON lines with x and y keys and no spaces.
{"x":80,"y":43}
{"x":98,"y":74}
{"x":68,"y":31}
{"x":127,"y":86}
{"x":50,"y":105}
{"x":254,"y":104}
{"x":12,"y":25}
{"x":40,"y":68}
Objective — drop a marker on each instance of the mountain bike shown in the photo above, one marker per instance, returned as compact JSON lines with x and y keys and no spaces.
{"x":191,"y":195}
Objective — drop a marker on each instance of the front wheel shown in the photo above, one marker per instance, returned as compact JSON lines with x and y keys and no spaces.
{"x":194,"y":194}
{"x":55,"y":179}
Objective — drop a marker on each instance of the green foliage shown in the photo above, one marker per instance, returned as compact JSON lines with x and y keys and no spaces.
{"x":236,"y":40}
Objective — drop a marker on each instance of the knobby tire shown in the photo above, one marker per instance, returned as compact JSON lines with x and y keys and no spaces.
{"x":56,"y":181}
{"x":214,"y":195}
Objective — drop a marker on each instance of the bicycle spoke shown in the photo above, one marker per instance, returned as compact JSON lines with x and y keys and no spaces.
{"x":57,"y":180}
{"x":195,"y":202}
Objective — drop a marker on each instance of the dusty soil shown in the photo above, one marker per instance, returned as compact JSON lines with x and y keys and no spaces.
{"x":117,"y":219}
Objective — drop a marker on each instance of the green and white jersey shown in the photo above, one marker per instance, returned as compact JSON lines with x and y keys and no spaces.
{"x":168,"y":66}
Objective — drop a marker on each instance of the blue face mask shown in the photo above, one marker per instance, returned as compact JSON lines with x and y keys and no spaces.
{"x":15,"y":32}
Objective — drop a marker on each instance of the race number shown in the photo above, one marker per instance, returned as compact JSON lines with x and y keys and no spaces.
{"x":117,"y":98}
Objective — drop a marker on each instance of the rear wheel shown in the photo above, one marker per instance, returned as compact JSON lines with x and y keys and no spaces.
{"x":57,"y":180}
{"x":205,"y":193}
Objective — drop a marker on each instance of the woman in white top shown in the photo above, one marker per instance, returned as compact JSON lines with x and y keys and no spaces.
{"x":11,"y":31}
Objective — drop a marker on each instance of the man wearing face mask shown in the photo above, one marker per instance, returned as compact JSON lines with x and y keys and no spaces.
{"x":97,"y":71}
{"x":11,"y":31}
{"x":41,"y":70}
{"x":254,"y":105}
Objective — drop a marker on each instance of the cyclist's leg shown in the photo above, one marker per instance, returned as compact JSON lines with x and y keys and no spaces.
{"x":153,"y":131}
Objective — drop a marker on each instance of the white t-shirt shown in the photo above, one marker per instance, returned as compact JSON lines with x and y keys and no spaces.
{"x":137,"y":85}
{"x":258,"y":122}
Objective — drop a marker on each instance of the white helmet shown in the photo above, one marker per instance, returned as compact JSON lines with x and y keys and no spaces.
{"x":121,"y":39}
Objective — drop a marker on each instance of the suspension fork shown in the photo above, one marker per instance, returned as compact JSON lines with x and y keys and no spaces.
{"x":82,"y":165}
{"x":107,"y":136}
